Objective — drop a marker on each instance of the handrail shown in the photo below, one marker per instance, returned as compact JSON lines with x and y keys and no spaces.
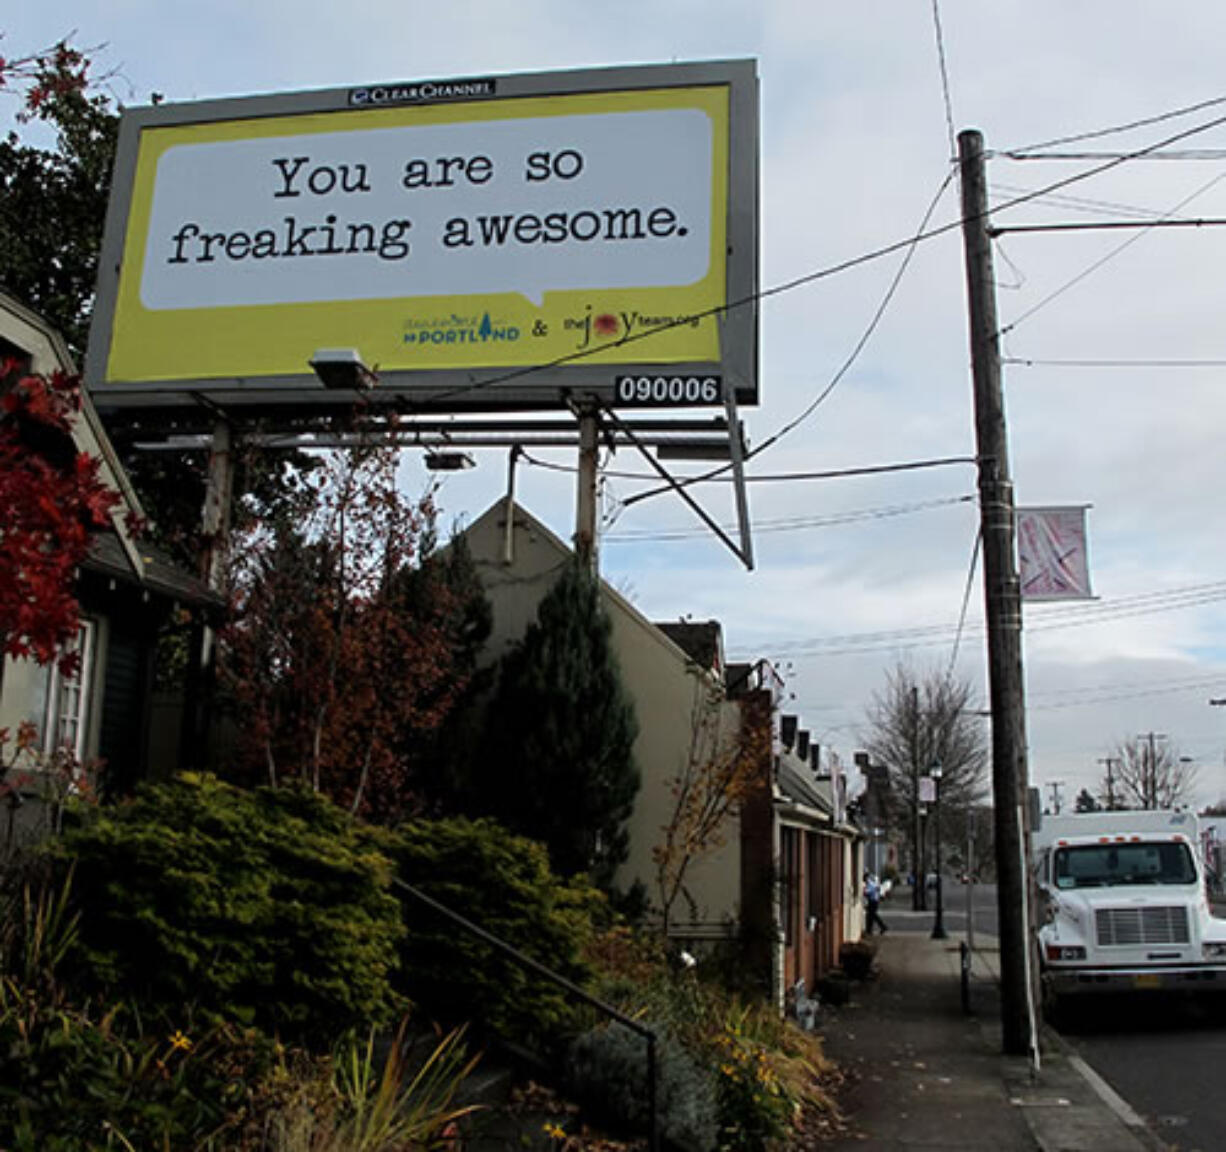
{"x":561,"y":981}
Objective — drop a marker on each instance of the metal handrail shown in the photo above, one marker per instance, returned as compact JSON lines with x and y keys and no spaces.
{"x":560,"y":981}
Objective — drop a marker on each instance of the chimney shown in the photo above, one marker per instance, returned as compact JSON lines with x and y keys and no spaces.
{"x":787,"y":731}
{"x":815,"y":758}
{"x":802,"y":744}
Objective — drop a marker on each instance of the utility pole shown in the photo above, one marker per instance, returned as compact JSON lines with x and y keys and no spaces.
{"x":585,"y":497}
{"x":1055,"y":786}
{"x":1110,"y":762}
{"x":918,"y":895}
{"x":1003,"y":603}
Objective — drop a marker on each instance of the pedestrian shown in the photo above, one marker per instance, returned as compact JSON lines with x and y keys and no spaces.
{"x":872,"y":903}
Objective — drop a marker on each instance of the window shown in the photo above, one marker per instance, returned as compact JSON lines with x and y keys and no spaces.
{"x":1105,"y":865}
{"x":62,"y":704}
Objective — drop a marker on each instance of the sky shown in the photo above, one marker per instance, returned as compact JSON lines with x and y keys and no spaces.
{"x":1114,"y":340}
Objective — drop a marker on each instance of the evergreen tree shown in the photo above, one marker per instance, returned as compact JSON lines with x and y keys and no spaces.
{"x":557,"y":763}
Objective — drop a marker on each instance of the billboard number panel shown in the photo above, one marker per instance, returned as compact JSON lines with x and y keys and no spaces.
{"x":588,"y":229}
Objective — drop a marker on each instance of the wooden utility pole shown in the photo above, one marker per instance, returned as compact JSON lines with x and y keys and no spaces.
{"x":1003,"y":602}
{"x":1110,"y":762}
{"x":585,"y":496}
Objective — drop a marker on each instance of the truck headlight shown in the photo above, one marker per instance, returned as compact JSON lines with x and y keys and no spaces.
{"x":1068,"y":952}
{"x":1214,"y":950}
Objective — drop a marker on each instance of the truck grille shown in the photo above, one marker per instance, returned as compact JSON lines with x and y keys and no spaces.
{"x":1123,"y":927}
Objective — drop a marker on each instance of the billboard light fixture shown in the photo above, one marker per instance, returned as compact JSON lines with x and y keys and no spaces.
{"x":449,"y":461}
{"x":341,"y":369}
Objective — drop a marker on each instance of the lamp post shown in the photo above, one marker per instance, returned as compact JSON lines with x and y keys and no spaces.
{"x":938,"y":924}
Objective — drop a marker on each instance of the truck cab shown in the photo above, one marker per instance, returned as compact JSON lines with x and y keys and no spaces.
{"x":1123,"y":905}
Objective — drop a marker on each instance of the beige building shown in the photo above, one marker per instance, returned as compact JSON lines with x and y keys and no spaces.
{"x":683,"y":693}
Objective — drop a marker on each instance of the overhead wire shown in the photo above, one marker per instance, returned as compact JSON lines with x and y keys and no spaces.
{"x":792,"y":523}
{"x":926,"y":233}
{"x":1086,"y":273}
{"x":1035,"y":362}
{"x":943,"y":66}
{"x":966,"y":600}
{"x":829,"y":270}
{"x":1099,"y":133}
{"x":1058,"y":617}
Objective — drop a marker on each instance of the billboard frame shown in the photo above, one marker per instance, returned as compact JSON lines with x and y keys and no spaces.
{"x":551,"y":386}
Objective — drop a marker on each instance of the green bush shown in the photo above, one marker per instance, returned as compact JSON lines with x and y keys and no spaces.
{"x":268,"y":908}
{"x":503,"y":884}
{"x":72,"y":1082}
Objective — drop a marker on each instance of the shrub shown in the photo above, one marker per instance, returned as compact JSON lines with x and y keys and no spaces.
{"x":765,"y":1075}
{"x":607,"y":1069}
{"x":265,"y":907}
{"x":71,"y":1081}
{"x":503,"y":884}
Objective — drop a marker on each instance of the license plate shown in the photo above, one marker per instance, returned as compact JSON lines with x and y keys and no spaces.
{"x":1147,"y":980}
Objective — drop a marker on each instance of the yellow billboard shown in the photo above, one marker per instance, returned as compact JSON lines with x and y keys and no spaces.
{"x":586,"y":230}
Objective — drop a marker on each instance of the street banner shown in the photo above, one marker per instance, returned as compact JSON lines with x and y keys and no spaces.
{"x":1053,"y":561}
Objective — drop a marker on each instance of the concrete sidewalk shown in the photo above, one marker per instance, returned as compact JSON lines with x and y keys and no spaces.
{"x":921,"y":1074}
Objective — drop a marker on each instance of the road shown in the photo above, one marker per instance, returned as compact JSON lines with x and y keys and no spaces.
{"x":1165,"y":1056}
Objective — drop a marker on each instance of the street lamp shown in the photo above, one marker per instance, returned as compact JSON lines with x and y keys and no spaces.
{"x":938,"y":925}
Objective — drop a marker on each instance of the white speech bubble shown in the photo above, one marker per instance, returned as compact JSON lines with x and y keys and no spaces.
{"x":534,"y":205}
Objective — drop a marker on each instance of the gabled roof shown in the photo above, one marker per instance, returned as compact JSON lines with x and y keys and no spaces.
{"x":113,"y":551}
{"x":525,"y":519}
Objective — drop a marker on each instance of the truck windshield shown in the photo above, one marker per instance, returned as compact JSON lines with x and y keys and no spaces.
{"x":1103,"y":865}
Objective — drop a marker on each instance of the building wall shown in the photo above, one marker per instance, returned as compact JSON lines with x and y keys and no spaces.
{"x":664,"y":685}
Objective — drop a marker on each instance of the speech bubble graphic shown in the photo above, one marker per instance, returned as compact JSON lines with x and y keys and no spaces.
{"x":528,"y":206}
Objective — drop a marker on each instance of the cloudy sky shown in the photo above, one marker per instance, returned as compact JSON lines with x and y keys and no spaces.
{"x":1115,"y":340}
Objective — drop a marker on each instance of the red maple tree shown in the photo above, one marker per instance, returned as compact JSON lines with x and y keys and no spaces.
{"x":347,"y":640}
{"x":52,"y":496}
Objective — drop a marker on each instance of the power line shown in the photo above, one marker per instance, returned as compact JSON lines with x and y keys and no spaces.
{"x":944,"y":70}
{"x":1056,"y":619}
{"x":1111,"y":255}
{"x":830,"y":270}
{"x":776,"y":477}
{"x":1084,"y":203}
{"x":1030,"y":362}
{"x":1082,"y":157}
{"x":966,"y":600}
{"x":924,"y":233}
{"x":1098,"y":133}
{"x":791,"y":524}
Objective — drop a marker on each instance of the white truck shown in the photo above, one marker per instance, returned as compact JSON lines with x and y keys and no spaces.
{"x":1123,"y":905}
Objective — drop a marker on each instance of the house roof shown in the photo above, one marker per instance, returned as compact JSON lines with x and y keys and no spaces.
{"x":794,"y":784}
{"x":525,"y":519}
{"x":114,"y":551}
{"x":158,"y":572}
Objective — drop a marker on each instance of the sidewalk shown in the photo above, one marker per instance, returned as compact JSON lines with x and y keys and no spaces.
{"x":922,"y":1075}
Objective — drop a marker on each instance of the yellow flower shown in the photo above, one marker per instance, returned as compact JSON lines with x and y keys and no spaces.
{"x":180,"y":1042}
{"x":554,"y":1131}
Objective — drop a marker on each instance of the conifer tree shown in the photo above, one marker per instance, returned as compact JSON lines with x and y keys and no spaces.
{"x":557,"y":763}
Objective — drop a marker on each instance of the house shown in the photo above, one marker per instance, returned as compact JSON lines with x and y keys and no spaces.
{"x":127,"y":590}
{"x":782,"y":884}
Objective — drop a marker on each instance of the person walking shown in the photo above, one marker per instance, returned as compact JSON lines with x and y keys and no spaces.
{"x":872,"y":904}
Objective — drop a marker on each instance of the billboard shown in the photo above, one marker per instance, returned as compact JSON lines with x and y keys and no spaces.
{"x":503,"y":242}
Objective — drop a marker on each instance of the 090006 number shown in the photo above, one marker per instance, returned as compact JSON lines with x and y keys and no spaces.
{"x":677,"y":391}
